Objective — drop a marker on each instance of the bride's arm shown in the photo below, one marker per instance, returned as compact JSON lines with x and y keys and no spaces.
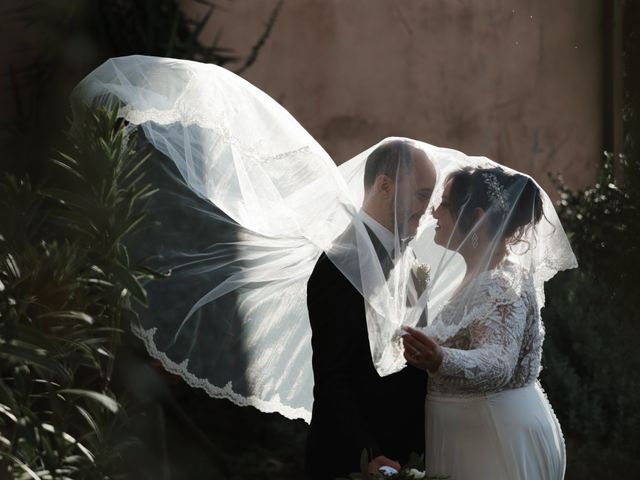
{"x":495,"y":342}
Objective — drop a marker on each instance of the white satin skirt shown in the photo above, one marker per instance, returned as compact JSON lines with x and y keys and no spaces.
{"x":510,"y":435}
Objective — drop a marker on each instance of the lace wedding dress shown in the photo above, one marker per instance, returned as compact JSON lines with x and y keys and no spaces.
{"x":487,"y":416}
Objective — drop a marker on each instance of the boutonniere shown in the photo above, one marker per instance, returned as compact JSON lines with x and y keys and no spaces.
{"x":421,"y":276}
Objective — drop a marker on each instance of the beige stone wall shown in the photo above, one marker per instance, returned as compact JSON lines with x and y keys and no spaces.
{"x":519,"y":81}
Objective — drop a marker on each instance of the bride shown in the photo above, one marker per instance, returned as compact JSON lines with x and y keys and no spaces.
{"x":486,"y":415}
{"x":254,"y":203}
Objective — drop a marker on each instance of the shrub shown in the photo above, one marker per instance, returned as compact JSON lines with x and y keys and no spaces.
{"x":66,"y":286}
{"x":591,"y":317}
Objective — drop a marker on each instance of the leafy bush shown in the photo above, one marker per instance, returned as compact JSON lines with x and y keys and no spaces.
{"x":64,"y":269}
{"x":591,"y":362}
{"x":71,"y":37}
{"x":66,"y":284}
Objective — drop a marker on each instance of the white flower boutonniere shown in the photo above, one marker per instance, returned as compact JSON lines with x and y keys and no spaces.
{"x":421,"y":276}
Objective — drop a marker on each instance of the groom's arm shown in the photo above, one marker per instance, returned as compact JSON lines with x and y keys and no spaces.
{"x":335,"y":316}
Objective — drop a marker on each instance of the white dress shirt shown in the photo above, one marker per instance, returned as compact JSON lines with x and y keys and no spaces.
{"x":384,"y":235}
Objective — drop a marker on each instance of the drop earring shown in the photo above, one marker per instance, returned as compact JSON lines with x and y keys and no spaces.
{"x":474,"y":240}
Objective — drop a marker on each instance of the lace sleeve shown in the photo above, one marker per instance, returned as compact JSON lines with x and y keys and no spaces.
{"x":495,"y":341}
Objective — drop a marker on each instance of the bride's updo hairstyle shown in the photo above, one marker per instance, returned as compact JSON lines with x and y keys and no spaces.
{"x":512,"y":202}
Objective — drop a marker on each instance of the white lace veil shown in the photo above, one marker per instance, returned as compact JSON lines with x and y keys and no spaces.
{"x":502,"y":240}
{"x":248,"y":201}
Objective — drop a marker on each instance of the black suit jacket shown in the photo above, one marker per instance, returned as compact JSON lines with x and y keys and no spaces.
{"x":354,"y":408}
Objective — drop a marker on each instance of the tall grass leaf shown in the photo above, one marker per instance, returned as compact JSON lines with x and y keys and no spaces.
{"x":67,"y":314}
{"x":130,"y":225}
{"x":104,"y":400}
{"x":29,"y":356}
{"x":132,"y":284}
{"x":68,"y":158}
{"x":7,"y":397}
{"x":136,"y":166}
{"x":68,"y":438}
{"x":66,"y":197}
{"x":6,"y":411}
{"x":22,"y":465}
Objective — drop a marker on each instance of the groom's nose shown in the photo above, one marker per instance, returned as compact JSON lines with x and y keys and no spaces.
{"x":423,"y":204}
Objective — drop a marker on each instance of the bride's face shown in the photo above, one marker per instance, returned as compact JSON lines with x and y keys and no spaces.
{"x":446,"y":235}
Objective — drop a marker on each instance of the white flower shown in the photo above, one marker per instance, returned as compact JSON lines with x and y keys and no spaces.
{"x":417,"y":474}
{"x":421,"y":274}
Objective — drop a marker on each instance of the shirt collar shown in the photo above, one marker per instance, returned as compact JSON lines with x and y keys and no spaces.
{"x":384,"y":235}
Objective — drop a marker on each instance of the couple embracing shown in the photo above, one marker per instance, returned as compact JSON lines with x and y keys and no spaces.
{"x":468,"y":396}
{"x":393,"y":301}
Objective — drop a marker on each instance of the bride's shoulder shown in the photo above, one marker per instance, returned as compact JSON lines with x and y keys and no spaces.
{"x":509,"y":282}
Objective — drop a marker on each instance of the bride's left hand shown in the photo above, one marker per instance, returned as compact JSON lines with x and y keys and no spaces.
{"x":421,"y":351}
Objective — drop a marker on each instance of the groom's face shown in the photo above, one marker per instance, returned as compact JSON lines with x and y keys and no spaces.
{"x":413,"y":193}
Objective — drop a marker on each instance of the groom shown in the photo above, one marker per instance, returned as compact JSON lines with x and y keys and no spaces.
{"x":354,"y":408}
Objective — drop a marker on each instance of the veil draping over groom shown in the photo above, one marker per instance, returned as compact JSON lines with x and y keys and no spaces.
{"x":273,"y":201}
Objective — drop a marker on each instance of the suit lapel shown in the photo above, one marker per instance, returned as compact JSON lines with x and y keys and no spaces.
{"x":386,"y":260}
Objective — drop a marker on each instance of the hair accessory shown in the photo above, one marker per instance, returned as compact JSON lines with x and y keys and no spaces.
{"x":496,"y":192}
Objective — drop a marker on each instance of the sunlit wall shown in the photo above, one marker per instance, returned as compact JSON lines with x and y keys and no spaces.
{"x":519,"y":81}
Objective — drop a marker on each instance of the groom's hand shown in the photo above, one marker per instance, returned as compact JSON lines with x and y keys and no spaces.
{"x":381,"y":461}
{"x":421,"y":351}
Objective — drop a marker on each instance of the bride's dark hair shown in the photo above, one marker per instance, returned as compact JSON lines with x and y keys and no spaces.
{"x":512,"y":201}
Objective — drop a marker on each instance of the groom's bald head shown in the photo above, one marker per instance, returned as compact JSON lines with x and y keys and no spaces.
{"x":388,"y":159}
{"x":399,"y":179}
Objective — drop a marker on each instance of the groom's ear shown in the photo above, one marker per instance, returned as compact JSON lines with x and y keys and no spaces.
{"x":384,"y":185}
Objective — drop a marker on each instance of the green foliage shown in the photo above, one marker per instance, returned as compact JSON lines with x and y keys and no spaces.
{"x":590,"y":356}
{"x":591,"y":316}
{"x":602,"y":223}
{"x":161,"y":28}
{"x":75,"y":36}
{"x":66,"y":358}
{"x":67,"y":284}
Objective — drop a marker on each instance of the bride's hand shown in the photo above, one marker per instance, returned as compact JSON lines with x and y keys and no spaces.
{"x":421,"y":351}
